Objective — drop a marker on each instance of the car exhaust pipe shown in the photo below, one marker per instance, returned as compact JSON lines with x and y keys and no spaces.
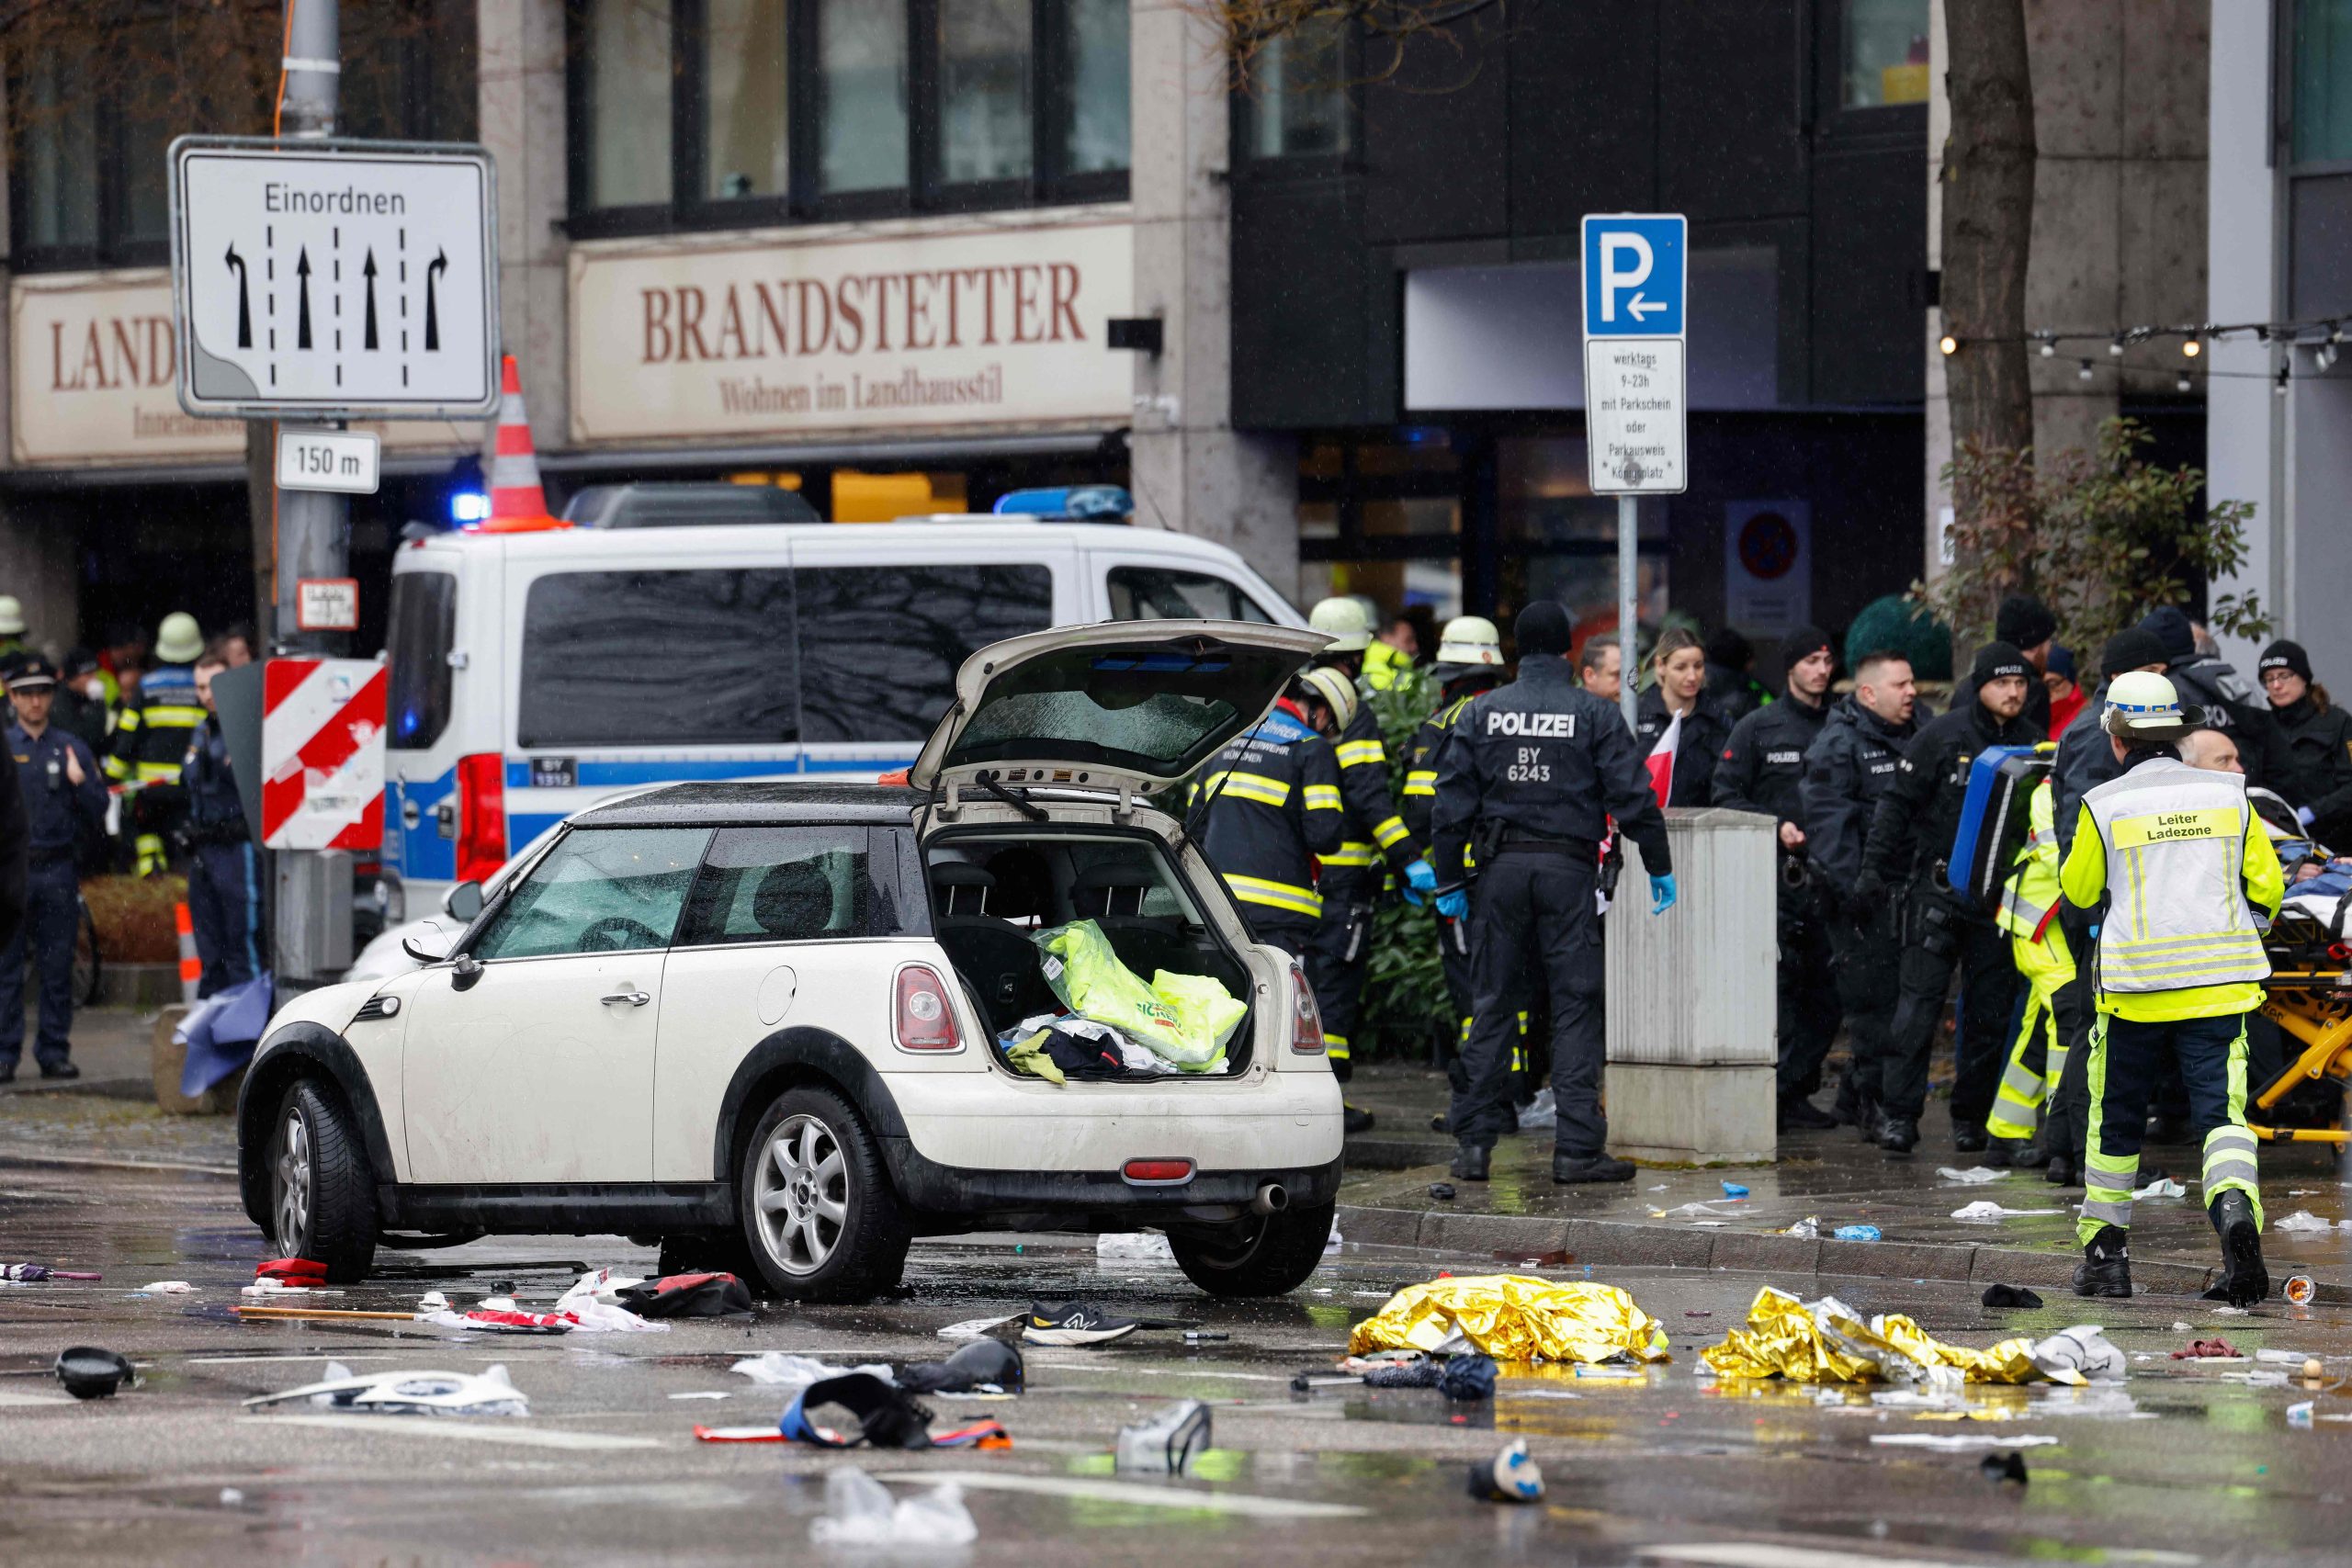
{"x":1271,"y":1199}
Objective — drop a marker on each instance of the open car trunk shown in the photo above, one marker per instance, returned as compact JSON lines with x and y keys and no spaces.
{"x":995,"y":888}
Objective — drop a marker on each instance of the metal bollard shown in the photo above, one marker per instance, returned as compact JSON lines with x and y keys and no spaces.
{"x":191,"y":967}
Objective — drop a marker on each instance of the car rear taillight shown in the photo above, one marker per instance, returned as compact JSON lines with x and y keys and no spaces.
{"x":924,"y":1018}
{"x":481,"y":816}
{"x":1307,"y":1021}
{"x":1157,"y":1172}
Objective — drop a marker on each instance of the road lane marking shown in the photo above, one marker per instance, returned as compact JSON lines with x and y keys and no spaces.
{"x":465,"y":1431}
{"x":1246,"y":1504}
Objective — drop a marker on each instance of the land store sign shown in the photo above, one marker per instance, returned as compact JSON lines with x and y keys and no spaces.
{"x":985,"y":327}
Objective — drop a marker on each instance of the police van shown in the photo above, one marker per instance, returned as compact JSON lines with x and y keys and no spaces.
{"x":533,"y":674}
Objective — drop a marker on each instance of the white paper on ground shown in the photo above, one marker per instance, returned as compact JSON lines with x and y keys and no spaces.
{"x":2162,"y":1187}
{"x":779,"y":1370}
{"x":973,"y":1327}
{"x":2303,"y":1221}
{"x":1134,"y":1246}
{"x":1959,"y":1442}
{"x":1985,"y":1210}
{"x":1975,"y":1175}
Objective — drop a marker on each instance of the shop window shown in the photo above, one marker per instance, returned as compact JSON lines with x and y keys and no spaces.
{"x":985,"y":124}
{"x":1096,"y":140}
{"x":1299,"y":93}
{"x":862,"y":83}
{"x":628,"y":53}
{"x":2322,"y":81}
{"x":1884,"y":53}
{"x":57,"y":146}
{"x":746,"y":137}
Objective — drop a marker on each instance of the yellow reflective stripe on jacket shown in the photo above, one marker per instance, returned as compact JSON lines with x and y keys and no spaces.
{"x":1391,"y":832}
{"x":1421,"y":781}
{"x":1356,"y":753}
{"x":155,"y":772}
{"x":1351,"y":854}
{"x":127,"y":719}
{"x":163,"y":716}
{"x":1323,"y":798}
{"x":1248,"y":787}
{"x":1274,"y":895}
{"x":2033,"y":889}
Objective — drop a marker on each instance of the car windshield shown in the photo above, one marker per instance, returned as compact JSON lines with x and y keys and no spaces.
{"x":600,"y":890}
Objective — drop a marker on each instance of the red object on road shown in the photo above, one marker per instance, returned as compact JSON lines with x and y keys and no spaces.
{"x":293,"y":1270}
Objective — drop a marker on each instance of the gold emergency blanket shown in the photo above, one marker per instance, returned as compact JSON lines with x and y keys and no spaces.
{"x":1827,"y":1343}
{"x":1515,"y":1318}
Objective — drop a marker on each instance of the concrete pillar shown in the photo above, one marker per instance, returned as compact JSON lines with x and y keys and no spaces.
{"x":1693,"y":1026}
{"x":523,"y":105}
{"x":1192,"y":470}
{"x":38,"y":545}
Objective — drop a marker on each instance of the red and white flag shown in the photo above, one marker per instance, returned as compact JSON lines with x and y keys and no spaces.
{"x":1660,"y":761}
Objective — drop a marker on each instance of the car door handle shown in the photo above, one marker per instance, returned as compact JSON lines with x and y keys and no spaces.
{"x":634,"y":999}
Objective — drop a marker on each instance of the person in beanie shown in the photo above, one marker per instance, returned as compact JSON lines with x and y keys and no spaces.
{"x":1732,"y":685}
{"x":2026,"y":624}
{"x":2319,"y":743}
{"x":1762,"y":771}
{"x":2067,"y":697}
{"x":1912,"y":834}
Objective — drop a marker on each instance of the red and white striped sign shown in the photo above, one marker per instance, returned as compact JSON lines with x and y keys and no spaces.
{"x":322,"y":754}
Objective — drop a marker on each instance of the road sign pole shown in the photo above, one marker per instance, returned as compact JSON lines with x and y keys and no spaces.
{"x":1629,"y":624}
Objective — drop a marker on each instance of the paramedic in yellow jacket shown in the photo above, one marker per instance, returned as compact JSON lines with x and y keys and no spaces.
{"x":2188,"y":880}
{"x":2046,"y":963}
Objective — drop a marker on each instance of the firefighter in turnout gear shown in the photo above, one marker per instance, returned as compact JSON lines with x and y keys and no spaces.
{"x":1270,"y":804}
{"x":151,"y":738}
{"x":1529,"y":775}
{"x":2045,"y":961}
{"x":1356,"y":873}
{"x":2186,"y":872}
{"x":1469,"y":661}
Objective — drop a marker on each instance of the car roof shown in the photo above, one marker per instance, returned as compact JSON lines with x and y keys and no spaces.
{"x":987,"y":529}
{"x":756,"y":803}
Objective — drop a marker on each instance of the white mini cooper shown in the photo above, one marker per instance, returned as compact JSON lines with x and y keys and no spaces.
{"x":758,"y":1022}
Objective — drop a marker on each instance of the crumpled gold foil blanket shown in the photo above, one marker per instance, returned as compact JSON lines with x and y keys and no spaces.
{"x":1827,"y":1343}
{"x":1516,"y":1317}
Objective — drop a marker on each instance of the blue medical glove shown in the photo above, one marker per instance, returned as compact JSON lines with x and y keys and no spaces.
{"x":1419,"y":878}
{"x":1455,"y":905}
{"x":1662,"y":894}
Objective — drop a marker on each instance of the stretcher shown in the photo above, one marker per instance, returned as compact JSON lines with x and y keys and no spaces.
{"x":2309,"y":996}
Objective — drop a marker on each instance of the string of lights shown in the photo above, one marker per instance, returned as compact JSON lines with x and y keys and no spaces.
{"x":2324,"y":336}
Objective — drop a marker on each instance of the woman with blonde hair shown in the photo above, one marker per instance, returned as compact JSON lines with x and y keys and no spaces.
{"x":1678,"y":693}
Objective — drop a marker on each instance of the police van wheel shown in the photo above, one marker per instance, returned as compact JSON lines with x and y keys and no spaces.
{"x":1269,"y":1256}
{"x":322,"y":1197}
{"x":819,"y":1216}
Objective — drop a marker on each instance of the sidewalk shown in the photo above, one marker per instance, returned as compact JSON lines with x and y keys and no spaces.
{"x":113,"y":1047}
{"x":1831,"y":1177}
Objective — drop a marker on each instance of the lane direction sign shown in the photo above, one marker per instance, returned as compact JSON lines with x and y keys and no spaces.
{"x":1635,"y":379}
{"x":334,"y":279}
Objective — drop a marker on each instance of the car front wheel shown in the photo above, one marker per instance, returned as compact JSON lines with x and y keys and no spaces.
{"x":1269,"y":1255}
{"x":818,"y":1215}
{"x":322,"y":1198}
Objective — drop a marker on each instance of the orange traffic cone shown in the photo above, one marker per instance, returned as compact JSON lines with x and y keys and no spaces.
{"x":517,"y":504}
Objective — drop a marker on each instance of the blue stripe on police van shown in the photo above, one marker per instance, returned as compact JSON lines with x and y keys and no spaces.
{"x":523,"y":826}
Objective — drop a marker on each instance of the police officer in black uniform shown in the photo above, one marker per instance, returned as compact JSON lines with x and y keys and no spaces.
{"x":224,"y":874}
{"x":1530,"y":773}
{"x":1846,"y":769}
{"x":65,"y":806}
{"x":1909,"y":846}
{"x":1762,"y":771}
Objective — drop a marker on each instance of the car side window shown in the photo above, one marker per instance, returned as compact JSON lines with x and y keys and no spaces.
{"x":598,"y":890}
{"x":801,"y":884}
{"x":1166,"y":594}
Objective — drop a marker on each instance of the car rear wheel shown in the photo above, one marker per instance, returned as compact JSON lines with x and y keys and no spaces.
{"x":819,"y":1216}
{"x":1265,"y":1255}
{"x":321,"y":1196}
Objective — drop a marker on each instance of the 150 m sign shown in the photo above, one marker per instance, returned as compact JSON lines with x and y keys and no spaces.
{"x":344,"y":461}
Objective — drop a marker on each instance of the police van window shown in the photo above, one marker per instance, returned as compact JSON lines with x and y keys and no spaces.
{"x":881,"y":646}
{"x":791,"y":885}
{"x":424,"y":628}
{"x":600,"y":890}
{"x":1164,"y":594}
{"x":658,"y":658}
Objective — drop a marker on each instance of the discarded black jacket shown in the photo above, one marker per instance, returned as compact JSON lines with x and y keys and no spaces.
{"x":1918,"y":817}
{"x":1849,"y":764}
{"x":1705,"y":732}
{"x":1549,"y":759}
{"x":1762,"y":767}
{"x":2318,"y":754}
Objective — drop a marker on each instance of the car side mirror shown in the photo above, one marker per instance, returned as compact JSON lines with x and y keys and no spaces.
{"x":463,"y":902}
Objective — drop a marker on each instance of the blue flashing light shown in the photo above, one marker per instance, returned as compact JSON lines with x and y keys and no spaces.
{"x":1085,"y":502}
{"x":469,"y":506}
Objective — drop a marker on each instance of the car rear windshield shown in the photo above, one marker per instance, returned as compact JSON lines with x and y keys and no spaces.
{"x":423,"y":632}
{"x":1154,"y":710}
{"x":761,"y":655}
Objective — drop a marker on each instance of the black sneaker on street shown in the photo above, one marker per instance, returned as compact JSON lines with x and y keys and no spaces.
{"x":2245,"y":1280}
{"x":1470,"y":1162}
{"x":1567,"y":1168}
{"x":1074,"y":1323}
{"x":1797,"y":1115}
{"x":1354,"y":1118}
{"x":1898,"y":1135}
{"x":2061,"y":1171}
{"x":1870,"y":1121}
{"x":2105,"y":1267}
{"x":60,"y":1070}
{"x":2002,"y":1153}
{"x":1970,"y":1140}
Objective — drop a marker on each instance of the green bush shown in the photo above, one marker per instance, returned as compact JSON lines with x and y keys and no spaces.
{"x":1404,"y":1004}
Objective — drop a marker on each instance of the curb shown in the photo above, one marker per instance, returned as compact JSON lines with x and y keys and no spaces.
{"x":1624,"y":1243}
{"x":81,"y":1162}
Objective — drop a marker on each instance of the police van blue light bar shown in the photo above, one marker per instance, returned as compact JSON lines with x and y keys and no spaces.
{"x":1093,"y":503}
{"x":469,"y":506}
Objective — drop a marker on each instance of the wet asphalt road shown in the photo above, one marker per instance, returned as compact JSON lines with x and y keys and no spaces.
{"x":2189,"y":1463}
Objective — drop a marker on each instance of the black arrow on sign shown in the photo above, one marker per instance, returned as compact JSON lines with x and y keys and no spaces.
{"x":303,"y":310}
{"x":369,"y":272}
{"x":244,"y":300}
{"x":438,"y":264}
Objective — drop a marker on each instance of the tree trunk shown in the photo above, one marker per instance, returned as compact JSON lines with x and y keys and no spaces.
{"x":1987,"y":228}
